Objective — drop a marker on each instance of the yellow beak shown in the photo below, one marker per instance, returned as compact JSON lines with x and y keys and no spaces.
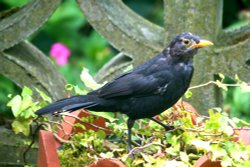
{"x":202,"y":43}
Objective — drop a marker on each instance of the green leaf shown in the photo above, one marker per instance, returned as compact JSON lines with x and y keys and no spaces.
{"x":106,"y":155}
{"x":184,"y":157}
{"x":138,"y":162}
{"x":236,"y":77}
{"x":101,"y":134}
{"x":21,"y":126}
{"x":203,"y":145}
{"x":44,"y":96}
{"x":26,"y":92}
{"x":221,"y":76}
{"x":174,"y":163}
{"x":28,"y":113}
{"x":188,"y":94}
{"x":213,"y":123}
{"x":15,"y":104}
{"x":69,"y":87}
{"x":108,"y":115}
{"x":225,"y":127}
{"x":88,"y":80}
{"x":226,"y":161}
{"x":147,"y":158}
{"x":80,"y":126}
{"x":217,"y":152}
{"x":79,"y":91}
{"x":26,"y":102}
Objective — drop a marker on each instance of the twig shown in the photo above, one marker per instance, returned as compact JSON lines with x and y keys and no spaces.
{"x":242,"y":128}
{"x":201,"y":85}
{"x":214,"y":82}
{"x":74,"y":128}
{"x":61,"y":140}
{"x":56,"y":136}
{"x":59,"y":126}
{"x":39,"y":125}
{"x":195,"y":130}
{"x":206,"y":134}
{"x":135,"y":149}
{"x":32,"y":141}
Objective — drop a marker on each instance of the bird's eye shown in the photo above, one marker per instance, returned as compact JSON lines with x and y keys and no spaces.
{"x":186,"y":41}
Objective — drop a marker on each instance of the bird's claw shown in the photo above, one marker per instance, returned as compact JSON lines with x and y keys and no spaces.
{"x":168,"y":127}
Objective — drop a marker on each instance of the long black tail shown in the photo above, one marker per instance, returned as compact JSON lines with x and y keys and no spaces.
{"x":69,"y":104}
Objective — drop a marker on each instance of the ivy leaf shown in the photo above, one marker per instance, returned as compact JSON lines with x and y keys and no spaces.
{"x":88,"y":80}
{"x":184,"y":157}
{"x":221,"y":76}
{"x":79,"y":91}
{"x":15,"y":104}
{"x":26,"y":98}
{"x":28,"y":113}
{"x":224,"y":121}
{"x":203,"y":145}
{"x":188,"y":94}
{"x":174,"y":163}
{"x":26,"y":92}
{"x":101,"y":134}
{"x":217,"y":152}
{"x":44,"y":96}
{"x":213,"y":122}
{"x":226,"y":161}
{"x":80,"y":126}
{"x":138,"y":162}
{"x":69,"y":87}
{"x":236,"y":77}
{"x":106,"y":155}
{"x":26,"y":102}
{"x":107,"y":115}
{"x":147,"y":158}
{"x":21,"y":126}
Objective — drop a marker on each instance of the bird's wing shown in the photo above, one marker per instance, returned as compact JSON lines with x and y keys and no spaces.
{"x":132,"y":84}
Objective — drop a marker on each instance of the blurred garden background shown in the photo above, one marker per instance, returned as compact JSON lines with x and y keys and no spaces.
{"x":68,"y":33}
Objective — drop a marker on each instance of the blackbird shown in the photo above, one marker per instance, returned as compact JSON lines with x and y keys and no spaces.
{"x":145,"y":91}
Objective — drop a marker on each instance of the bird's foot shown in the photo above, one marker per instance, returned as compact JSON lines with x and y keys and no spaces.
{"x":168,"y":127}
{"x":131,"y":152}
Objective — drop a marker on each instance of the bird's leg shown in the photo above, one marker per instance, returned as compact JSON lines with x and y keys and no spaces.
{"x":167,"y":127}
{"x":130,"y":124}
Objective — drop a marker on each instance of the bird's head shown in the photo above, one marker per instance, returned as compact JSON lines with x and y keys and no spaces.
{"x":186,"y":45}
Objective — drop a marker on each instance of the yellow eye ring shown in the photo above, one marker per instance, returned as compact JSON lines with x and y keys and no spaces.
{"x":186,"y":41}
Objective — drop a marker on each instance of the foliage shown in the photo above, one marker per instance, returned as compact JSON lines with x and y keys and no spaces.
{"x":9,"y":87}
{"x":193,"y":137}
{"x":213,"y":136}
{"x":23,"y":107}
{"x":69,"y":27}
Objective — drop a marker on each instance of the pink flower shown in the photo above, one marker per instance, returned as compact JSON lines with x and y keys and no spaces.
{"x":60,"y":52}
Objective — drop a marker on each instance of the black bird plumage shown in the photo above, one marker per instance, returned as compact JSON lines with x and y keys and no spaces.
{"x":145,"y":91}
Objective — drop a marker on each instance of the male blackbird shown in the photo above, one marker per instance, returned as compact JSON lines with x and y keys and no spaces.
{"x":145,"y":91}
